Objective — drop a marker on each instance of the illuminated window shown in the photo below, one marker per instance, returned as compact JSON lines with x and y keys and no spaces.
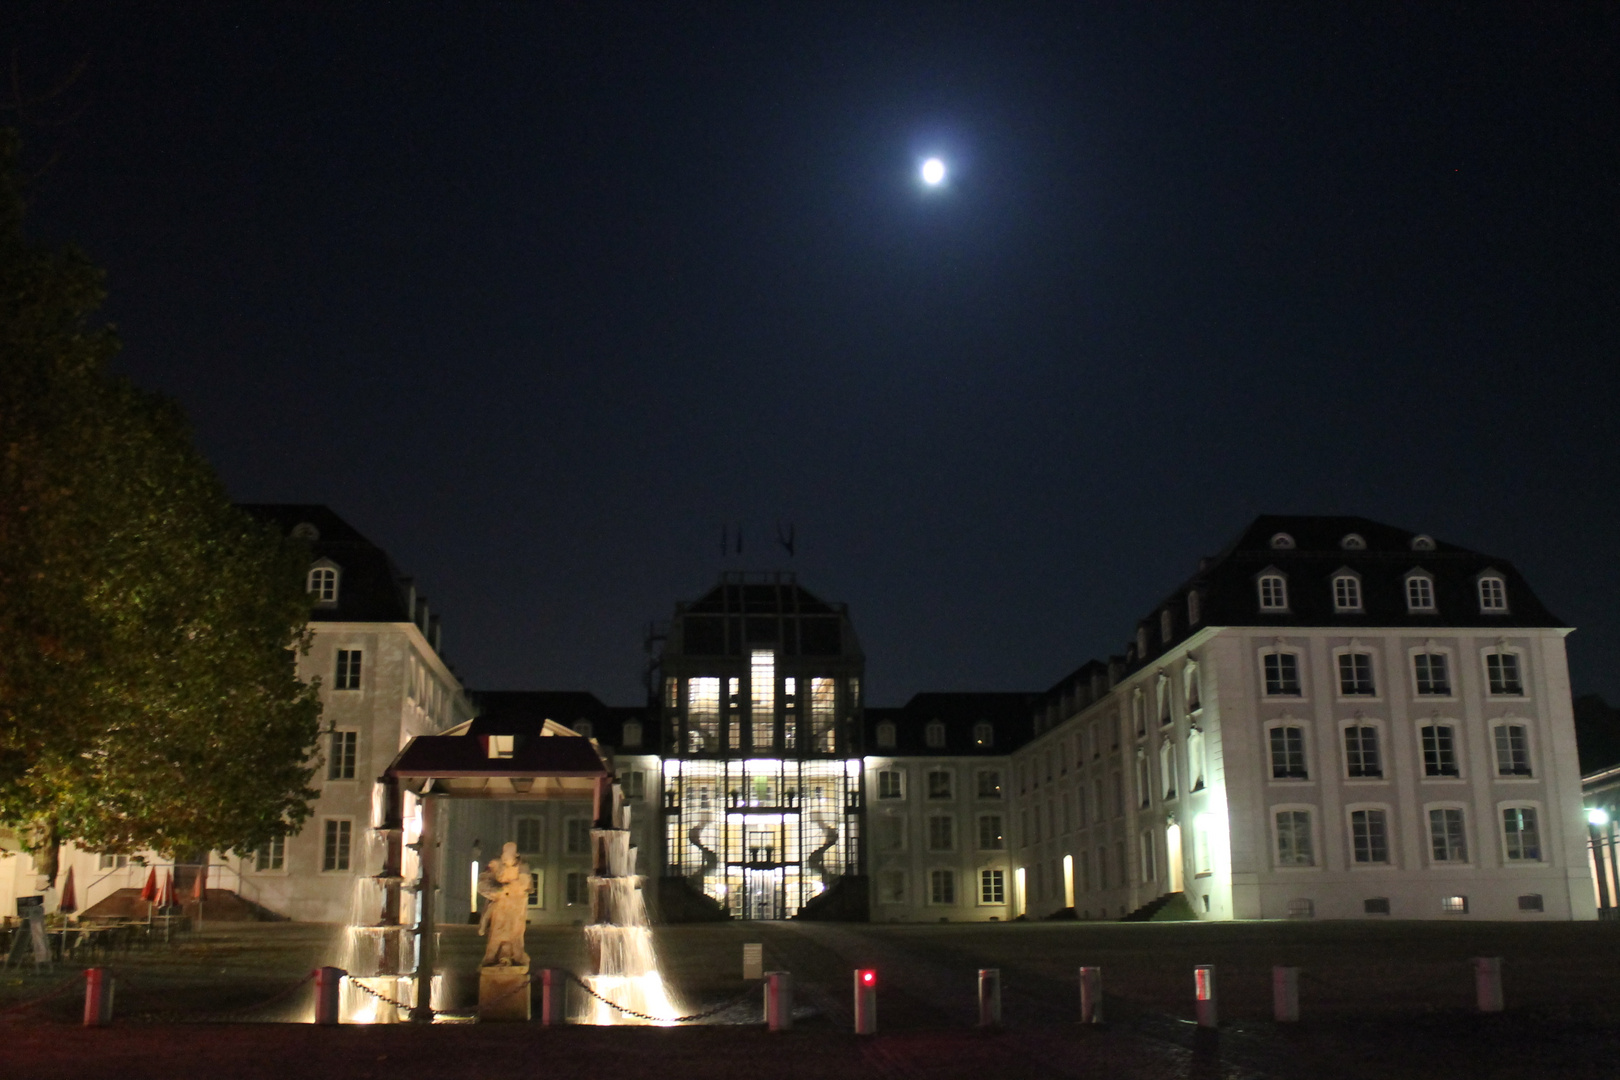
{"x":1419,"y":592}
{"x":1439,"y":750}
{"x":1282,"y":674}
{"x":1356,"y":675}
{"x":885,"y":735}
{"x":992,"y":886}
{"x":942,"y":886}
{"x":528,"y":835}
{"x":1195,"y":694}
{"x":341,"y":754}
{"x":762,"y":700}
{"x":1432,"y":674}
{"x":983,"y":734}
{"x":1167,"y":768}
{"x":1454,"y":905}
{"x":941,"y":833}
{"x":1447,"y":842}
{"x":1273,"y":593}
{"x":1502,"y":673}
{"x":1346,"y":593}
{"x":989,"y":783}
{"x":823,"y":716}
{"x":890,"y":784}
{"x":1512,"y":750}
{"x":1361,"y":757}
{"x":323,"y":585}
{"x":1195,"y":759}
{"x":271,"y":855}
{"x":335,"y":844}
{"x":1520,"y":834}
{"x":1294,"y":846}
{"x":703,"y":716}
{"x":672,"y":693}
{"x":1288,"y":753}
{"x":934,"y":735}
{"x":1369,"y":836}
{"x":1492,"y":595}
{"x":347,"y":676}
{"x":991,"y":837}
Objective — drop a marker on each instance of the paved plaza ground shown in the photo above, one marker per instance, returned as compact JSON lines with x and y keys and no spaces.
{"x":1379,"y":999}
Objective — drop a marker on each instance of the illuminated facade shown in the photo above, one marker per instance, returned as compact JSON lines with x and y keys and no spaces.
{"x":760,"y":715}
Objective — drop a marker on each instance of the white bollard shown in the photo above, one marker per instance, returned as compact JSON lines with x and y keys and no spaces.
{"x":865,"y":1001}
{"x":779,"y":1000}
{"x":553,"y":997}
{"x":1091,"y":1009}
{"x":1285,"y":994}
{"x":753,"y":962}
{"x":98,"y":997}
{"x":989,"y":997}
{"x":329,"y":995}
{"x":1488,"y":983}
{"x":1204,"y":990}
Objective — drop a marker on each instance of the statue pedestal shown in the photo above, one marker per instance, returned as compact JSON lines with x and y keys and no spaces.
{"x":503,"y":993}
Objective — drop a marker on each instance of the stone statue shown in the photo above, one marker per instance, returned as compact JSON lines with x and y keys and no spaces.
{"x":504,"y":884}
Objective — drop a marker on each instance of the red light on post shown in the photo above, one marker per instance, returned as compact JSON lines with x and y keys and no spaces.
{"x":868,"y":978}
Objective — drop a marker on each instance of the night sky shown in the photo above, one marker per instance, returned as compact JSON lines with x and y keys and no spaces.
{"x":542,"y":296}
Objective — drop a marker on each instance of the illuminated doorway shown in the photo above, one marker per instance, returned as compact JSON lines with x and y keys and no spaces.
{"x":1172,"y":854}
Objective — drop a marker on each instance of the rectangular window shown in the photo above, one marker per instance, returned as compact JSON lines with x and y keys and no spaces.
{"x":528,"y":835}
{"x":1419,"y":594}
{"x":1447,"y":842}
{"x":992,"y":887}
{"x":633,"y":783}
{"x":1282,"y":674}
{"x":703,"y":715}
{"x":1439,"y":750}
{"x":889,"y":785}
{"x":991,"y":837}
{"x":577,"y":836}
{"x":1288,"y":754}
{"x":823,"y":723}
{"x":1369,"y":836}
{"x":942,"y":886}
{"x":1502,"y":670}
{"x":1492,"y":594}
{"x":1273,"y":593}
{"x":892,"y":887}
{"x":335,"y":850}
{"x":1346,"y":593}
{"x":1361,"y":760}
{"x":1512,"y":750}
{"x":112,"y":862}
{"x":631,"y":735}
{"x":892,"y":832}
{"x":762,"y":694}
{"x":577,"y":888}
{"x":271,"y":855}
{"x":348,"y":670}
{"x":941,"y":834}
{"x":1355,"y":675}
{"x":939,"y":784}
{"x":341,"y":755}
{"x":1294,"y":838}
{"x":989,"y":783}
{"x":1454,"y":905}
{"x":1432,"y":676}
{"x":1521,"y":834}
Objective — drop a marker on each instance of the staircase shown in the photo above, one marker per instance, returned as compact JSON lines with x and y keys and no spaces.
{"x":218,"y":905}
{"x":1171,"y":907}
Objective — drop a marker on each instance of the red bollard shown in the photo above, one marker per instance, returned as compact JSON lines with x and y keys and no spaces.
{"x":553,"y":997}
{"x":328,"y":995}
{"x":865,"y":1001}
{"x":98,"y":997}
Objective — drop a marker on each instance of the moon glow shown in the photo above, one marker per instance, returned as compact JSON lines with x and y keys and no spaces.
{"x":933,"y":172}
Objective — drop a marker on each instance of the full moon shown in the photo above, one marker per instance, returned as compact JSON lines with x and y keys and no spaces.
{"x":933,"y":172}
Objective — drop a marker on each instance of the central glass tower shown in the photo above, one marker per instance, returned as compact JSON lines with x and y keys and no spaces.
{"x":760,"y":701}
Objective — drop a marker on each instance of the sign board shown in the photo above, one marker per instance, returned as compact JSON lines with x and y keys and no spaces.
{"x":753,"y":961}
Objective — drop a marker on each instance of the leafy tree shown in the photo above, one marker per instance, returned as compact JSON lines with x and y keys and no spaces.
{"x":148,"y":629}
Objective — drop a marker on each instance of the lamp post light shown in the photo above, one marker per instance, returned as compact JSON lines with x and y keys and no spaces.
{"x":1597,"y":823}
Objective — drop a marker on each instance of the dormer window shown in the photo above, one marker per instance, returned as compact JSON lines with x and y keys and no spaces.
{"x":502,"y":746}
{"x":934,"y":735}
{"x":984,"y":736}
{"x":1194,"y":608}
{"x":1273,"y":592}
{"x":1141,"y":641}
{"x":582,"y":727}
{"x":632,"y":733}
{"x":1353,"y":542}
{"x":1346,"y":592}
{"x":885,"y":735}
{"x":323,"y":583}
{"x":1492,"y":595}
{"x":1422,"y":543}
{"x":1419,"y":591}
{"x":1166,"y":626}
{"x":1282,"y":541}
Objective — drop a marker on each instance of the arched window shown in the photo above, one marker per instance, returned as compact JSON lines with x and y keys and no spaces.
{"x":983,"y":734}
{"x":1422,"y":543}
{"x":1282,"y":541}
{"x":1346,"y":592}
{"x":1273,"y":592}
{"x":1353,"y":542}
{"x":632,"y":733}
{"x":1419,"y":591}
{"x":323,"y":583}
{"x":1194,"y":608}
{"x":1141,"y":641}
{"x":885,"y":735}
{"x":934,"y":735}
{"x":1166,"y":626}
{"x":1492,"y":595}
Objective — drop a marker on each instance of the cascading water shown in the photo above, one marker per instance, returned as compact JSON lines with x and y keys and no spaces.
{"x":619,"y":937}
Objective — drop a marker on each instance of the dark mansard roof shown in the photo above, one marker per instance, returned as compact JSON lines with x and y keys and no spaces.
{"x":1007,"y":713}
{"x":523,"y":712}
{"x":370,"y":587}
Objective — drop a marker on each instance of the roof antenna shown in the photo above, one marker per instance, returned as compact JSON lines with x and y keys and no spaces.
{"x":788,"y":539}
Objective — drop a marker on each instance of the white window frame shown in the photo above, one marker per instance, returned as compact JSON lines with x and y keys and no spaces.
{"x":269,"y":850}
{"x":1382,"y":737}
{"x":1302,"y":694}
{"x":1372,"y":666}
{"x":1305,"y":751}
{"x":1518,"y":662}
{"x":1271,"y":590}
{"x":345,"y":678}
{"x":323,"y":567}
{"x":639,"y":784}
{"x":1487,"y":596}
{"x":933,"y":890}
{"x":1451,"y":671}
{"x":1529,"y":749}
{"x":1312,"y":816}
{"x":1349,"y":600}
{"x":1458,"y":754}
{"x":992,"y":879}
{"x":1415,"y":594}
{"x":331,"y":759}
{"x":1541,"y":832}
{"x":950,"y":782}
{"x":1391,"y":827}
{"x":1000,"y":784}
{"x":900,"y":774}
{"x":1169,"y":773}
{"x":1192,"y":688}
{"x":1427,"y":825}
{"x":326,"y":827}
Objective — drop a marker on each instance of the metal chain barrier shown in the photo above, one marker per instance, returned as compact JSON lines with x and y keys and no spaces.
{"x":355,"y":982}
{"x":693,"y":1018}
{"x":57,"y":991}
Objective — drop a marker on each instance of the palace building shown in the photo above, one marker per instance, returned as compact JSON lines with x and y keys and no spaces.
{"x":1331,"y":719}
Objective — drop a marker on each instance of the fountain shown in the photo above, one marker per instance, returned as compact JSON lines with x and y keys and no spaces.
{"x":625,"y":967}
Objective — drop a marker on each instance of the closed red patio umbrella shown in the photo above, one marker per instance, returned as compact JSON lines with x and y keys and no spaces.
{"x":150,"y":891}
{"x":70,"y":897}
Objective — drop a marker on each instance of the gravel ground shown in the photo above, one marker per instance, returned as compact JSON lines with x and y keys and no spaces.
{"x":1379,"y":1000}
